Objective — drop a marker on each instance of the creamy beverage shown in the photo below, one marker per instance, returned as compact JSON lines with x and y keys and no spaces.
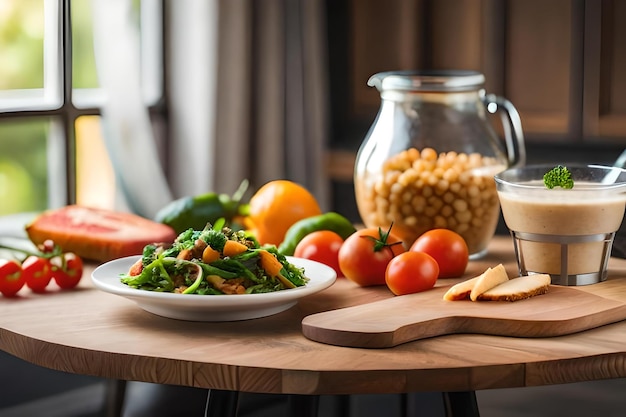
{"x":577,"y":216}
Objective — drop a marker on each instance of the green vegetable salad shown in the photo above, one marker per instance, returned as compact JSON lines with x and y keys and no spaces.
{"x":216,"y":260}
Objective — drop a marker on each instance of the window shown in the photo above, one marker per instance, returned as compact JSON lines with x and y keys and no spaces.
{"x":52,"y":151}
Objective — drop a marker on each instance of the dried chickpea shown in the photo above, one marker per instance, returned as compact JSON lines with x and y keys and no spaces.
{"x":419,"y":190}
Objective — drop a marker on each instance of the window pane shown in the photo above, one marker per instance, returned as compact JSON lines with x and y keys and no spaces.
{"x":147,"y":16}
{"x":21,"y":43}
{"x":95,"y":180}
{"x":84,"y":66}
{"x":23,"y":165}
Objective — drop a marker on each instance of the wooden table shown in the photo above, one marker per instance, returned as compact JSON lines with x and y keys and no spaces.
{"x":86,"y":331}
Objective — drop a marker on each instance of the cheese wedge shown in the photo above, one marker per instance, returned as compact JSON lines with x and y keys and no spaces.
{"x":462,"y":290}
{"x":488,"y":280}
{"x":518,"y":288}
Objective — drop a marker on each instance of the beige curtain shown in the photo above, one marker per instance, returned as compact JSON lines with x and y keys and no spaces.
{"x":141,"y":183}
{"x":249,"y":94}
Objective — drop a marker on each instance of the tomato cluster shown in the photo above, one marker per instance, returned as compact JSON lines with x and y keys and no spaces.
{"x":372,"y":256}
{"x":39,"y":269}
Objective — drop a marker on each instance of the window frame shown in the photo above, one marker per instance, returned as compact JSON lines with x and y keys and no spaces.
{"x":63,"y":104}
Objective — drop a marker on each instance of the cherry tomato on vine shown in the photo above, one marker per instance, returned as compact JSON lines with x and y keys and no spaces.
{"x":448,"y":248}
{"x":48,"y":246}
{"x":67,"y":270}
{"x":11,"y":277}
{"x":411,"y":272}
{"x":37,"y":273}
{"x":364,"y":255}
{"x":321,"y":246}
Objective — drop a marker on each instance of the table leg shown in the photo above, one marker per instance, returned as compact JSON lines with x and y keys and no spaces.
{"x":115,"y":395}
{"x":461,"y":404}
{"x":221,"y":403}
{"x":303,"y":405}
{"x":342,"y":405}
{"x":404,"y":405}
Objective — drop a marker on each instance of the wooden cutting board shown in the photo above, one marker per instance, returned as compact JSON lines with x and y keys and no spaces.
{"x":401,"y":319}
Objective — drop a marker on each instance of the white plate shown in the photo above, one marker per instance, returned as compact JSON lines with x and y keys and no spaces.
{"x":197,"y":307}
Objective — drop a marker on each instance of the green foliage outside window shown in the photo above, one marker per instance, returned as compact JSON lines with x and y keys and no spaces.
{"x":23,"y":165}
{"x":21,"y":44}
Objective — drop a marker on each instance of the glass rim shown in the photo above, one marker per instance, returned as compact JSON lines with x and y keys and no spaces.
{"x":521,"y":184}
{"x":428,"y":80}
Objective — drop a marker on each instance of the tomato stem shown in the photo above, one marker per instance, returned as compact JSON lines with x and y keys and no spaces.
{"x":44,"y":250}
{"x":380,"y":243}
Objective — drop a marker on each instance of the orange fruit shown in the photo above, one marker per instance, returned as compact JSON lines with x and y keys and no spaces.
{"x":276,"y":206}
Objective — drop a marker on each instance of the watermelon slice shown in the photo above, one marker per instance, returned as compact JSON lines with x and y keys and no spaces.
{"x":97,"y":234}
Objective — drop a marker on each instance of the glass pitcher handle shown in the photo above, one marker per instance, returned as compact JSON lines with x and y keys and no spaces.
{"x":513,"y":135}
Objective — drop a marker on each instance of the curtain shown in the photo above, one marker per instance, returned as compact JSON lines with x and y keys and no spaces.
{"x":142,"y":185}
{"x":248,"y":92}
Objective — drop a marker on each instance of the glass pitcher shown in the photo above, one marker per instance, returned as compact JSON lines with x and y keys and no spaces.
{"x":429,"y":158}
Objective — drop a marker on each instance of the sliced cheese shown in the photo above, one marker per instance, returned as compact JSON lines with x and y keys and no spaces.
{"x":488,"y":280}
{"x":518,"y":288}
{"x":462,"y":290}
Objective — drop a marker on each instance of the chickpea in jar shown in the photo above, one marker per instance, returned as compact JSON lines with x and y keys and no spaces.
{"x":422,"y":190}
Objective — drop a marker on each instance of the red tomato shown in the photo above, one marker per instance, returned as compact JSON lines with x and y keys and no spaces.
{"x":37,"y":273}
{"x":321,"y":246}
{"x":11,"y":277}
{"x":411,"y":272}
{"x":67,"y":270}
{"x":448,"y":248}
{"x":364,"y":255}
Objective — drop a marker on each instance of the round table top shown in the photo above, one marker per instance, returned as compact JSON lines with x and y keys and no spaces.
{"x":87,"y":331}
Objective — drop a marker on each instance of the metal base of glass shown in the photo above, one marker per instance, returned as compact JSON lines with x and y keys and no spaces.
{"x":602,"y":251}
